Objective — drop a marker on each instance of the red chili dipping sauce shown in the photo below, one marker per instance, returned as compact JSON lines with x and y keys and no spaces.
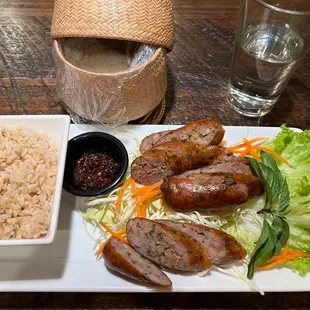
{"x":94,"y":170}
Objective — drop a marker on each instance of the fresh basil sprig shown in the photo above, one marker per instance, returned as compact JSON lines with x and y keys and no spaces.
{"x":277,"y":192}
{"x":275,"y":231}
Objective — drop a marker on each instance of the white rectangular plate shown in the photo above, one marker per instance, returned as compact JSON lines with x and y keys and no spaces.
{"x":69,"y":265}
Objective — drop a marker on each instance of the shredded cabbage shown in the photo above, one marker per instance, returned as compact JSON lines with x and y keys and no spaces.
{"x":239,"y":273}
{"x":245,"y":224}
{"x":102,"y":209}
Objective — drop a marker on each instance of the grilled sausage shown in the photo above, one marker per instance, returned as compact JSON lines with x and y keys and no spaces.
{"x":122,"y":258}
{"x":205,"y":132}
{"x":150,"y":141}
{"x":198,"y":191}
{"x":222,"y":247}
{"x":233,"y":165}
{"x":166,"y":246}
{"x":173,"y":158}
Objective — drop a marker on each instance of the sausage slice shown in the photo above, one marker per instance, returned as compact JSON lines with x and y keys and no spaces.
{"x":167,"y":247}
{"x":122,"y":258}
{"x":198,"y":191}
{"x":234,"y":165}
{"x":205,"y":132}
{"x":222,"y":247}
{"x":150,"y":141}
{"x":173,"y":158}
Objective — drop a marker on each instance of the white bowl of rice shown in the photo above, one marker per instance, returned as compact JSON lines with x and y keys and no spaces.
{"x":32,"y":161}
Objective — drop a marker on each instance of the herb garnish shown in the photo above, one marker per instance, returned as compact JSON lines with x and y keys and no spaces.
{"x":275,"y":231}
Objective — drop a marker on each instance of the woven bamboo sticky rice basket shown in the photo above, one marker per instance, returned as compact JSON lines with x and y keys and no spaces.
{"x":142,"y":88}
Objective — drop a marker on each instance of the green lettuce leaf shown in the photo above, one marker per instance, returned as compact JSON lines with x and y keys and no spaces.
{"x":300,"y":265}
{"x":295,"y":148}
{"x":299,"y":238}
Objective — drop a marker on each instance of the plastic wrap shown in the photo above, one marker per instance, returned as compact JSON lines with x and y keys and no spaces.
{"x":108,"y":81}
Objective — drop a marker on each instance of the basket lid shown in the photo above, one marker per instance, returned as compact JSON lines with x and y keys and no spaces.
{"x":141,"y":21}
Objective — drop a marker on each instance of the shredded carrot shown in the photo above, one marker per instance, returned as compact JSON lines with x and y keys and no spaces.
{"x":247,"y":148}
{"x":266,"y":267}
{"x":116,"y":234}
{"x":148,"y":196}
{"x":138,"y":210}
{"x":245,"y":142}
{"x":161,"y":201}
{"x":143,"y":207}
{"x":113,"y":233}
{"x":142,"y":194}
{"x":275,"y":154}
{"x":145,"y":189}
{"x":121,"y":232}
{"x":121,"y":194}
{"x":100,"y":250}
{"x":132,"y":184}
{"x":286,"y":250}
{"x":255,"y":154}
{"x":285,"y":256}
{"x":223,"y":142}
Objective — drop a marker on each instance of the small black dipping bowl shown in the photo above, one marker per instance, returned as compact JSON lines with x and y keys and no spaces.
{"x":94,"y":142}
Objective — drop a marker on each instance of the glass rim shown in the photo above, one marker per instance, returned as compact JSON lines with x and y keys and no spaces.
{"x":282,"y":10}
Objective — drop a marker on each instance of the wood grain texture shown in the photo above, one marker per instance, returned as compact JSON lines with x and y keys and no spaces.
{"x":292,"y":301}
{"x":198,"y":70}
{"x":198,"y":67}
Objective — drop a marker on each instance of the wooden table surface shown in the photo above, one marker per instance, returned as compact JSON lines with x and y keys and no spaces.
{"x":198,"y":70}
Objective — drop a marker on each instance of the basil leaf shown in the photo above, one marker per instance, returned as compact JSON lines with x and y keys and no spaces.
{"x":284,"y":200}
{"x":268,"y":179}
{"x":262,"y":176}
{"x":273,"y":237}
{"x":268,"y":160}
{"x":279,"y":187}
{"x":264,"y":246}
{"x":274,"y":172}
{"x":270,"y":242}
{"x":267,"y":251}
{"x":254,"y":163}
{"x":275,"y":185}
{"x":283,"y":234}
{"x":276,"y":225}
{"x":284,"y":211}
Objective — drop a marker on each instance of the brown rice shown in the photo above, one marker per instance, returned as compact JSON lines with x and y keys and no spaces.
{"x":28,"y":167}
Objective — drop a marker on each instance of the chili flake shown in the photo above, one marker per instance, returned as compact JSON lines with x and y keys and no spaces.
{"x":94,"y":170}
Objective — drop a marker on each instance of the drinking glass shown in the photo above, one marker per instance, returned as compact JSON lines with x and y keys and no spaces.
{"x":272,"y":39}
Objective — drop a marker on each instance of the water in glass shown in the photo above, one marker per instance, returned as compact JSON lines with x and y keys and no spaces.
{"x":263,"y":62}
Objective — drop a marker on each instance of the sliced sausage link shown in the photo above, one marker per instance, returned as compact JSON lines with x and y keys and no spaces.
{"x":222,"y":247}
{"x":166,"y":246}
{"x":122,"y":258}
{"x":173,"y":158}
{"x":205,"y":132}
